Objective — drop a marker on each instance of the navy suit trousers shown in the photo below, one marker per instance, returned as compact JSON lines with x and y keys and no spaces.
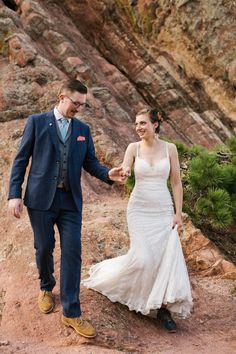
{"x":67,"y":218}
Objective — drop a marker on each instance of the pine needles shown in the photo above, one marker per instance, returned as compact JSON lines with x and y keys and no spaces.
{"x":209,"y":181}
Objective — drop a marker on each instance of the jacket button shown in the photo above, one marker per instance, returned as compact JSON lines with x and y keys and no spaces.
{"x":55,"y":177}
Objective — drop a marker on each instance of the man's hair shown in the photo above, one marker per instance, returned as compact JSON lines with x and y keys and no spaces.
{"x":73,"y":85}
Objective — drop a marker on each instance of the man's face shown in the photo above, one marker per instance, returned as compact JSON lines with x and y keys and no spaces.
{"x":71,"y":103}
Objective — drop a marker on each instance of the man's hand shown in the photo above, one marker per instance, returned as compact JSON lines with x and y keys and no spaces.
{"x":118,"y":174}
{"x":15,"y":207}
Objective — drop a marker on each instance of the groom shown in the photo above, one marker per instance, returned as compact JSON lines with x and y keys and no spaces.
{"x":59,"y":146}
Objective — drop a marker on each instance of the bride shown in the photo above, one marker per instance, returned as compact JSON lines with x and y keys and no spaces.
{"x":153,"y":274}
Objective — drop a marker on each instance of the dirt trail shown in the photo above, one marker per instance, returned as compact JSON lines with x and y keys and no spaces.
{"x":210,"y":329}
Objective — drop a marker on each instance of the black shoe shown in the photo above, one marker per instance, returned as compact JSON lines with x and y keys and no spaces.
{"x":164,"y":317}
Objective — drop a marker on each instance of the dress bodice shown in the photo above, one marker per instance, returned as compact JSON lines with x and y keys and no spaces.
{"x":151,"y":183}
{"x":152,"y":173}
{"x":144,"y":171}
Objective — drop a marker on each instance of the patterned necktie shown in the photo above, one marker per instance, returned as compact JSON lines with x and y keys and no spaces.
{"x":64,"y":123}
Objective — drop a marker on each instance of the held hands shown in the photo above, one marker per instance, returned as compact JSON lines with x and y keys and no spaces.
{"x":15,"y":207}
{"x":119,"y":174}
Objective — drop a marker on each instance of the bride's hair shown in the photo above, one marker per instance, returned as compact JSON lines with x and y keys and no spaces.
{"x":154,"y":116}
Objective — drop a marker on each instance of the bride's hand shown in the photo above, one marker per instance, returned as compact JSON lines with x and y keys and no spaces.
{"x":126,"y":171}
{"x":177,"y":220}
{"x":119,"y":174}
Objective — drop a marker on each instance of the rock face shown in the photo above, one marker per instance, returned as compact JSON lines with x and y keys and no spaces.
{"x":202,"y":255}
{"x":162,"y":48}
{"x":175,"y":55}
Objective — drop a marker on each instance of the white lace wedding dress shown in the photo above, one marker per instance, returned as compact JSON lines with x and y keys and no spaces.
{"x":153,"y":272}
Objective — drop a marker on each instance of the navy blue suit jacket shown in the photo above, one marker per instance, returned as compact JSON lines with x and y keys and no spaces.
{"x":40,"y":142}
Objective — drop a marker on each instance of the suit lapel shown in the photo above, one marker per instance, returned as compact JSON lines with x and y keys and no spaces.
{"x":53,"y":130}
{"x":75,"y":132}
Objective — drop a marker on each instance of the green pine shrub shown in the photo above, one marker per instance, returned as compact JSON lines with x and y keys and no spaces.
{"x":233,"y":206}
{"x":233,"y":160}
{"x":228,"y":174}
{"x":204,"y":172}
{"x":196,"y":150}
{"x":231,"y":143}
{"x":209,"y":184}
{"x":214,"y":208}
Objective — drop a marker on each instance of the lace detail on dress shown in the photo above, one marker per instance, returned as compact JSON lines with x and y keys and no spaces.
{"x":153,"y":272}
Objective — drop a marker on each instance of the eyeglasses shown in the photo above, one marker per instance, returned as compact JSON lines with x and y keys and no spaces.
{"x":77,"y":103}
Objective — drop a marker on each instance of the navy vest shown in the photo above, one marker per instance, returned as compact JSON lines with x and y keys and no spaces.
{"x":63,"y":163}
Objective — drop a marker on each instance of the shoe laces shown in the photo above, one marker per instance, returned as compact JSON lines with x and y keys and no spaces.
{"x":46,"y":293}
{"x":82,"y":322}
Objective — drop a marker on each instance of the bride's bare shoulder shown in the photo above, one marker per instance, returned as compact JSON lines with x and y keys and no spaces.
{"x":170,"y":146}
{"x":133,"y":146}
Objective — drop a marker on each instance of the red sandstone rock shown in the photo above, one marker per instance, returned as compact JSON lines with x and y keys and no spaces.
{"x":232,"y":73}
{"x":20,"y":52}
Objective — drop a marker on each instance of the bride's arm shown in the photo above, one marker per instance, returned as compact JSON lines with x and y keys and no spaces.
{"x":129,"y":158}
{"x":176,"y":184}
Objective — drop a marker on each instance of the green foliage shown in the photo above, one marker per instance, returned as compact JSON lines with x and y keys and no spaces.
{"x":233,"y":160}
{"x":4,"y":34}
{"x":183,"y":150}
{"x":233,"y":205}
{"x":127,"y":8}
{"x":221,"y":148}
{"x":130,"y":183}
{"x":214,"y":208}
{"x":209,"y":184}
{"x":196,"y":150}
{"x":204,"y":172}
{"x":228,"y":173}
{"x":149,"y":16}
{"x":231,"y":143}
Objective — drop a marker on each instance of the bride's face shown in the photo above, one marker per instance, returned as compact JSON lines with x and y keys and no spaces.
{"x":144,"y":127}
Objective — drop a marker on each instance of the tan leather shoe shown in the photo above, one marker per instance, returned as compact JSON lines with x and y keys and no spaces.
{"x":81,"y":326}
{"x":45,"y":301}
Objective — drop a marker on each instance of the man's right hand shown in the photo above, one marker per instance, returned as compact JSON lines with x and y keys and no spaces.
{"x":15,"y":207}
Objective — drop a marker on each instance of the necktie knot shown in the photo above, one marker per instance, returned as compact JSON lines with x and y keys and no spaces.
{"x":64,"y":121}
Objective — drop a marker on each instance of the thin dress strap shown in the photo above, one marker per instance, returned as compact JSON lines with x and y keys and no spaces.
{"x":167,"y":150}
{"x":137,"y":150}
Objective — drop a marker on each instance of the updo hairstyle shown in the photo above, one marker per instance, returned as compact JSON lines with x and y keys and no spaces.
{"x":154,"y":116}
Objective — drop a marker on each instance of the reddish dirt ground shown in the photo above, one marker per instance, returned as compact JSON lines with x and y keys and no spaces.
{"x":210,"y":328}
